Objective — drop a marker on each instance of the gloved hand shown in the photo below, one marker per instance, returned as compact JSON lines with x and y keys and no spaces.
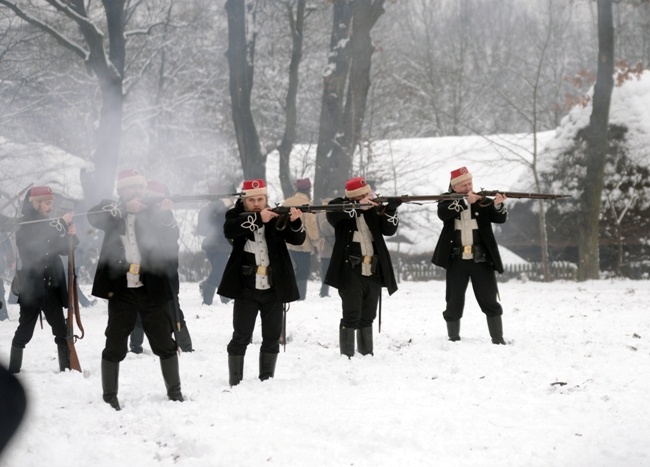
{"x":393,"y":204}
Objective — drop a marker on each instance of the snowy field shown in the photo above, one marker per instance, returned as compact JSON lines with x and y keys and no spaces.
{"x":571,"y":389}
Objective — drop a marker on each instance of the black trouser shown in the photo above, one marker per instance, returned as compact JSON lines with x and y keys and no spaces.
{"x":154,"y":311}
{"x":359,"y":299}
{"x":29,"y":312}
{"x":243,"y":321}
{"x":484,"y":283}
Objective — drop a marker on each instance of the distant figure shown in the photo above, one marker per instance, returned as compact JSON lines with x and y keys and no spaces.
{"x":216,"y":246}
{"x":327,"y":239}
{"x":159,"y":190}
{"x":43,"y":284}
{"x":361,"y":263}
{"x":468,"y":250}
{"x":134,"y":275}
{"x":13,"y":403}
{"x":301,"y":254}
{"x":259,"y":276}
{"x":7,"y":259}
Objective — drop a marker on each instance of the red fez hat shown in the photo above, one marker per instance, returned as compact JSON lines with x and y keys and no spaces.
{"x":303,"y":184}
{"x":356,"y":187}
{"x":460,"y":175}
{"x":130,"y":177}
{"x":254,"y":188}
{"x":41,"y":193}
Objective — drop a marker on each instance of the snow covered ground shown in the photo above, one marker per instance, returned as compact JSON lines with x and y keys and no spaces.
{"x":570,"y":390}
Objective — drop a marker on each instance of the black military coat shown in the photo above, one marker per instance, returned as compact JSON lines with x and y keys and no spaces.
{"x":449,"y":211}
{"x":157,"y":238}
{"x":40,"y":246}
{"x":344,"y":223}
{"x":240,"y":228}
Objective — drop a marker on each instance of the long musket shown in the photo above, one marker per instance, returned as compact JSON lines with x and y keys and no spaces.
{"x":16,"y":197}
{"x":73,"y":309}
{"x":284,"y":211}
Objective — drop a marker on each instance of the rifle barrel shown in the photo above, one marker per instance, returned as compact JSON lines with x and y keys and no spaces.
{"x":521,"y":195}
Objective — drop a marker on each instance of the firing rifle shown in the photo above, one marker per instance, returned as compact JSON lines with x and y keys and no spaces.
{"x":488,"y":194}
{"x":73,"y":308}
{"x":284,"y":211}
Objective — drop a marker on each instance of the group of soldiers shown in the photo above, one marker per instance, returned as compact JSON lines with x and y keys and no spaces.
{"x":260,"y":258}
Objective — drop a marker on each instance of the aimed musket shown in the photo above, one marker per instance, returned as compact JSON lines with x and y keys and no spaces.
{"x":416,"y":199}
{"x":285,"y":210}
{"x":488,"y":194}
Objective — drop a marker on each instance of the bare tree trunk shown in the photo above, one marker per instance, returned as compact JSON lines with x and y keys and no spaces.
{"x":110,"y":74}
{"x":289,"y":138}
{"x":597,"y":142}
{"x":241,"y":55}
{"x":328,"y":175}
{"x":340,"y":132}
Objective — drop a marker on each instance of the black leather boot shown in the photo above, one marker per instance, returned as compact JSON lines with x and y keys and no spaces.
{"x":15,"y":359}
{"x":110,"y":377}
{"x":184,"y":340}
{"x":64,"y":357}
{"x":495,"y":326}
{"x":235,"y":369}
{"x":346,"y":341}
{"x":364,"y":341}
{"x":172,"y":377}
{"x":267,"y":365}
{"x":453,"y":330}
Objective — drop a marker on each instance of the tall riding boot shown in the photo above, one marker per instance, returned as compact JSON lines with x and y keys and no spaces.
{"x":172,"y":377}
{"x":110,"y":377}
{"x":364,"y":340}
{"x":207,"y":291}
{"x":267,"y":365}
{"x":346,"y":341}
{"x":235,"y":369}
{"x":453,"y":330}
{"x":184,"y":340}
{"x":15,"y":359}
{"x":64,"y":357}
{"x":495,"y":326}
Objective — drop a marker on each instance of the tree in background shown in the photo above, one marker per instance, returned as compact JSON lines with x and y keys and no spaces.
{"x":596,"y":147}
{"x":108,"y":68}
{"x":346,"y":82}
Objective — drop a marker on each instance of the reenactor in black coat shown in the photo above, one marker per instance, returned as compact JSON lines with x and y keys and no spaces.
{"x":134,"y":274}
{"x":468,"y":250}
{"x":43,"y":283}
{"x":360,"y":265}
{"x":258,"y":276}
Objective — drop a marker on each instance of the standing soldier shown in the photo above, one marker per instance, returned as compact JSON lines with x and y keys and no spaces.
{"x":468,"y":250}
{"x":157,"y":191}
{"x":259,"y":276}
{"x":217,"y":247}
{"x":134,"y":275}
{"x":361,"y":264}
{"x":43,"y":284}
{"x":301,"y":254}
